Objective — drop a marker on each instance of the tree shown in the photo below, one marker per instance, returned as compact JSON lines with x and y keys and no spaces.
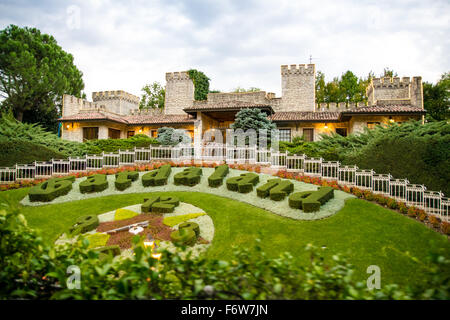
{"x":320,"y":87}
{"x":348,"y":86}
{"x":152,"y":96}
{"x":389,"y":73}
{"x":35,"y":72}
{"x":170,"y":136}
{"x":436,"y":98}
{"x":253,"y":119}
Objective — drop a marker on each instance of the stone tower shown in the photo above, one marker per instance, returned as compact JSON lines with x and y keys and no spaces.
{"x":179,"y":92}
{"x":118,"y":101}
{"x":298,"y":87}
{"x":396,"y":91}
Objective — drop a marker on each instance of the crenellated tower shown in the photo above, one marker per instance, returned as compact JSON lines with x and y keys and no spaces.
{"x":298,"y":87}
{"x":179,"y":92}
{"x":117,"y":101}
{"x":390,"y":91}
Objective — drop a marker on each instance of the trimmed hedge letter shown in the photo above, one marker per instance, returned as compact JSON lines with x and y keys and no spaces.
{"x":186,"y":234}
{"x":51,"y":189}
{"x":124,"y":179}
{"x":188,"y":177}
{"x":157,"y":177}
{"x":243,"y":183}
{"x":216,"y":179}
{"x":310,"y":201}
{"x":95,"y":183}
{"x":159,"y":204}
{"x":277,"y":189}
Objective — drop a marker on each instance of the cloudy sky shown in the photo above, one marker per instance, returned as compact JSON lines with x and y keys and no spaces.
{"x":126,"y":44}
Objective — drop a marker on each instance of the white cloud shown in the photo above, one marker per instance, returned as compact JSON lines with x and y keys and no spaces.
{"x":125,"y":44}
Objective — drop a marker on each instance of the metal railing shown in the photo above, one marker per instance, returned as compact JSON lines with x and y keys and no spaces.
{"x":351,"y":176}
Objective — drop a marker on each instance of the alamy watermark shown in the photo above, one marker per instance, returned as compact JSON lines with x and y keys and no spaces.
{"x":374,"y":280}
{"x":74,"y":280}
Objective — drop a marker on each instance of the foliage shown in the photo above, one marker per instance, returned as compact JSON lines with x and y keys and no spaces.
{"x":35,"y":73}
{"x":216,"y":179}
{"x":152,"y":97}
{"x":170,"y":136}
{"x":33,"y":269}
{"x":174,"y":220}
{"x":122,"y":214}
{"x":253,"y":119}
{"x":97,"y":239}
{"x":347,"y":88}
{"x":114,"y":145}
{"x":51,"y":189}
{"x":251,"y":89}
{"x":436,"y":98}
{"x":201,"y":84}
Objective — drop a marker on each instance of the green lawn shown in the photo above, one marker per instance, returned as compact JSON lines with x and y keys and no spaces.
{"x":365,"y":232}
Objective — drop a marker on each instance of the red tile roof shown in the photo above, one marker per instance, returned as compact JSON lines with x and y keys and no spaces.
{"x":233,"y":105}
{"x":385,"y":110}
{"x":93,"y":115}
{"x":304,"y":116}
{"x":158,"y":119}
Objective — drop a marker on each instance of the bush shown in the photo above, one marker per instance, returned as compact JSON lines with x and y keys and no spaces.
{"x":94,"y":183}
{"x":243,"y":183}
{"x":311,"y":201}
{"x":184,"y":236}
{"x":124,"y":179}
{"x":445,"y":227}
{"x":188,"y":177}
{"x":84,"y":224}
{"x":434,"y":221}
{"x":160,"y":204}
{"x":277,"y":189}
{"x":51,"y":189}
{"x":114,"y":145}
{"x":412,"y":212}
{"x":216,"y":178}
{"x":392,"y":204}
{"x":157,"y":177}
{"x":106,"y":251}
{"x":192,"y":225}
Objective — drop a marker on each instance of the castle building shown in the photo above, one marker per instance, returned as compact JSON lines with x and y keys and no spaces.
{"x":116,"y":114}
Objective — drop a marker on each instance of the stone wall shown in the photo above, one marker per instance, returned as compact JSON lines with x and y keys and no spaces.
{"x":298,"y":88}
{"x":396,"y":89}
{"x":319,"y":128}
{"x":72,"y":105}
{"x":119,"y":101}
{"x":179,"y":92}
{"x":258,"y":97}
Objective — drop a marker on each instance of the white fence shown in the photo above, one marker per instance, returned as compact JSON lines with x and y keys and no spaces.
{"x":400,"y":189}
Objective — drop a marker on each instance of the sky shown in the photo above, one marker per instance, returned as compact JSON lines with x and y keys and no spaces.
{"x":123,"y":45}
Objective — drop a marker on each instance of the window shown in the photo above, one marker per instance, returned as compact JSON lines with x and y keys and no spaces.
{"x":90,"y":133}
{"x":308,"y":134}
{"x":113,"y":133}
{"x":341,"y":131}
{"x":285,"y":134}
{"x":130,"y":134}
{"x":372,"y":125}
{"x":154,"y":133}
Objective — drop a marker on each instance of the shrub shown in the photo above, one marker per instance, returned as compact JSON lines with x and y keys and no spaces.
{"x":124,"y":179}
{"x":368,"y":195}
{"x":184,"y":236}
{"x":106,"y":251}
{"x":192,"y":225}
{"x":412,"y":212}
{"x":434,"y":221}
{"x":311,"y":201}
{"x":84,"y":224}
{"x":174,"y":220}
{"x":357,"y":192}
{"x":157,"y":177}
{"x":403,"y":208}
{"x":445,"y":227}
{"x":94,"y":183}
{"x":188,"y":177}
{"x":148,"y":203}
{"x":216,"y":178}
{"x":123,"y":214}
{"x":160,"y":204}
{"x":243,"y":183}
{"x":421,"y":215}
{"x":392,"y":204}
{"x":51,"y":189}
{"x":277,"y":189}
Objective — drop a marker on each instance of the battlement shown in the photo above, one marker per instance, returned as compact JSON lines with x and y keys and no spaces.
{"x":115,"y":95}
{"x":338,"y":107}
{"x":152,"y":111}
{"x":308,"y":69}
{"x":177,"y":76}
{"x":388,"y":82}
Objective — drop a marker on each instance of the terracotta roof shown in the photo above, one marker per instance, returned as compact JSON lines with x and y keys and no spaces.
{"x":157,"y":119}
{"x":231,"y":105}
{"x":94,"y":115}
{"x":304,"y":116}
{"x":385,"y":110}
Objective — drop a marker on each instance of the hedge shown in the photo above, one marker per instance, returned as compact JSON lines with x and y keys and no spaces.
{"x":84,"y":224}
{"x":124,"y":179}
{"x":192,"y":225}
{"x":188,"y":177}
{"x":184,"y":236}
{"x":51,"y":189}
{"x":157,"y":177}
{"x":277,"y":189}
{"x":311,"y":201}
{"x":159,"y":204}
{"x":216,"y":179}
{"x":94,"y":183}
{"x":243,"y":183}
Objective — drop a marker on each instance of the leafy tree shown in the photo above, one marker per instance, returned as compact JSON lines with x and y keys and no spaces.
{"x":389,"y":73}
{"x":253,"y":119}
{"x":321,"y":91}
{"x":251,"y":89}
{"x":152,"y":96}
{"x":201,"y":84}
{"x":436,"y":98}
{"x":170,"y":136}
{"x":348,"y":85}
{"x":34,"y":73}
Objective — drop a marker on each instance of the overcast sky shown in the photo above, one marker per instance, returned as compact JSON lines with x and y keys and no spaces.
{"x":126,"y":44}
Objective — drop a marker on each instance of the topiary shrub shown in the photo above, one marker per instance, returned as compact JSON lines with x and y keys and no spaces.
{"x":194,"y":226}
{"x":124,"y":179}
{"x":188,"y":177}
{"x":157,"y":177}
{"x":51,"y":189}
{"x":185,"y":236}
{"x":84,"y":224}
{"x":243,"y":183}
{"x":158,"y":204}
{"x":277,"y":189}
{"x":94,"y":183}
{"x":216,"y":179}
{"x":310,"y":201}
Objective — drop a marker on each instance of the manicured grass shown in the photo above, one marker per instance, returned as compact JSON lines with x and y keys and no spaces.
{"x":365,"y":232}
